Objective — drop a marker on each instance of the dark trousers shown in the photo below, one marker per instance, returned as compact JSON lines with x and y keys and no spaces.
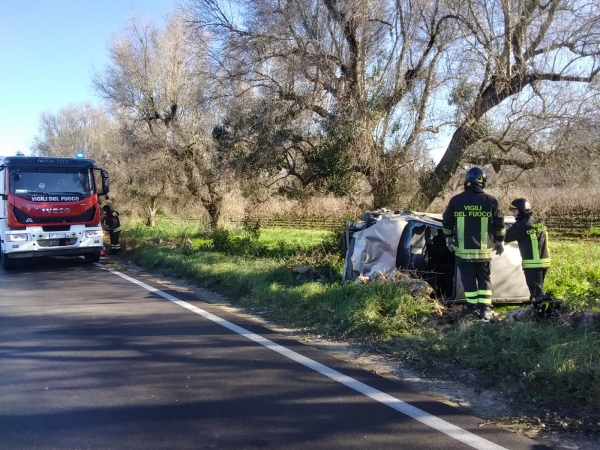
{"x":535,"y":281}
{"x":115,"y":247}
{"x":475,"y":277}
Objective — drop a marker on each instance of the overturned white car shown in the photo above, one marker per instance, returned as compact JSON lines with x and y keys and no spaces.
{"x":412,"y":241}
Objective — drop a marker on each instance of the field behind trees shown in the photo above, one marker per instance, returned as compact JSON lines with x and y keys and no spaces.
{"x":569,"y":212}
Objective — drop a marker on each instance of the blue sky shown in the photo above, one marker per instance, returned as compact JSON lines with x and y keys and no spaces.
{"x":49,"y":50}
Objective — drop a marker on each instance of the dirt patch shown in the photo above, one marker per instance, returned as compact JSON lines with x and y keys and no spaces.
{"x":494,"y":407}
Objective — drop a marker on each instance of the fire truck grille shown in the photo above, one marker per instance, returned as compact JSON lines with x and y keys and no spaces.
{"x":56,"y":242}
{"x":26,"y":219}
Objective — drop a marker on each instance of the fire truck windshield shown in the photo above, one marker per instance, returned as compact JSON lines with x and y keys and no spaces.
{"x":28,"y":182}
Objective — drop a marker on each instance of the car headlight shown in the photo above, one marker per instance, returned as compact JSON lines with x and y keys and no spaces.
{"x":21,"y":237}
{"x":93,"y":234}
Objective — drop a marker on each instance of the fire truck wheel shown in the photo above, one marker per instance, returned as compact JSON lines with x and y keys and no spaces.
{"x":7,"y":263}
{"x":92,"y":257}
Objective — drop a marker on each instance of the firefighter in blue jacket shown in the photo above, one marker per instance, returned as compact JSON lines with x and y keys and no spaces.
{"x":474,"y":227}
{"x":532,"y":236}
{"x":110,"y":222}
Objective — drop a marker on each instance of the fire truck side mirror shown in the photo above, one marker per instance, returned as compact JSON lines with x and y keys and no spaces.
{"x":105,"y":183}
{"x":3,"y":195}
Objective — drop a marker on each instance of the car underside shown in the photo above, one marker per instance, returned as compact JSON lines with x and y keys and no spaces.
{"x":410,"y":241}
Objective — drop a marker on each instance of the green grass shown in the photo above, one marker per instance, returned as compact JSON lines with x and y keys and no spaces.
{"x":575,"y":273}
{"x":299,"y":239}
{"x":548,"y":363}
{"x":166,"y":229}
{"x":176,"y":232}
{"x":354,"y":311}
{"x":542,"y":362}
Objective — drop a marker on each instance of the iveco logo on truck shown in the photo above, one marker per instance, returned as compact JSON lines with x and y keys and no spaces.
{"x":56,"y":210}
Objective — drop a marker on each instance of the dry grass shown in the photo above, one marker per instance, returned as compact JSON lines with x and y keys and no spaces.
{"x":545,"y":201}
{"x":324,"y":207}
{"x":575,"y":203}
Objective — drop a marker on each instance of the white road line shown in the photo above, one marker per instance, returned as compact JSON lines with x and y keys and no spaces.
{"x":430,"y":420}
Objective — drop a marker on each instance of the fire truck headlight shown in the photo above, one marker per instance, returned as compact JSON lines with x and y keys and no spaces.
{"x":93,"y":234}
{"x":21,"y":237}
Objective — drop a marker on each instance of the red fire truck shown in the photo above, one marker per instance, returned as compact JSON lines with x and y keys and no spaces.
{"x":49,"y":207}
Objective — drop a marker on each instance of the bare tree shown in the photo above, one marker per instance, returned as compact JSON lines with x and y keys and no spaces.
{"x":359,"y":72}
{"x":155,"y":85}
{"x":85,"y":128}
{"x":576,"y":161}
{"x":77,"y":127}
{"x":520,"y":65}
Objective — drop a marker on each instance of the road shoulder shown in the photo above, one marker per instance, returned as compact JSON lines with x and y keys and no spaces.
{"x":490,"y":405}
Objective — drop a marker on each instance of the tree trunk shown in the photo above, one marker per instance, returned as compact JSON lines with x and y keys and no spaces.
{"x":213,"y":203}
{"x":151,"y":220}
{"x":214,"y":209}
{"x":376,"y":169}
{"x":384,"y":192}
{"x":439,"y":178}
{"x":385,"y":181}
{"x":151,"y":210}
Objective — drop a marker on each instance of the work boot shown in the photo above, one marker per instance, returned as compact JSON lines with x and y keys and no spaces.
{"x":541,"y":299}
{"x":485,"y":313}
{"x":467,"y":311}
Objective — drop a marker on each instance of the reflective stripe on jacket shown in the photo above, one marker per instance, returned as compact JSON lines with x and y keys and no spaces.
{"x":474,"y":219}
{"x":532,"y":236}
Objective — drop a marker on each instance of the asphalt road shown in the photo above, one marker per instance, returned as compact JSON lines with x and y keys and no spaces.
{"x":98,"y":359}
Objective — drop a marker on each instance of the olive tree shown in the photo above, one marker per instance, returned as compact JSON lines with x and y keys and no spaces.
{"x":339,"y":87}
{"x":522,"y":72}
{"x":155,"y":86}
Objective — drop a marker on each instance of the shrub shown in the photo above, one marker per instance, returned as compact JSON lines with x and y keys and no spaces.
{"x":221,"y":240}
{"x":251,"y":228}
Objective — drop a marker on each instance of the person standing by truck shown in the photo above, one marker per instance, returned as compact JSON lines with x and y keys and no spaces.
{"x":474,"y":227}
{"x":111,"y":223}
{"x":531,"y":235}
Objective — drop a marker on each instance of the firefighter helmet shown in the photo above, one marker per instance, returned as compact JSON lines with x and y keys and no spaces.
{"x":475,"y":175}
{"x":521,"y":204}
{"x":523,"y":207}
